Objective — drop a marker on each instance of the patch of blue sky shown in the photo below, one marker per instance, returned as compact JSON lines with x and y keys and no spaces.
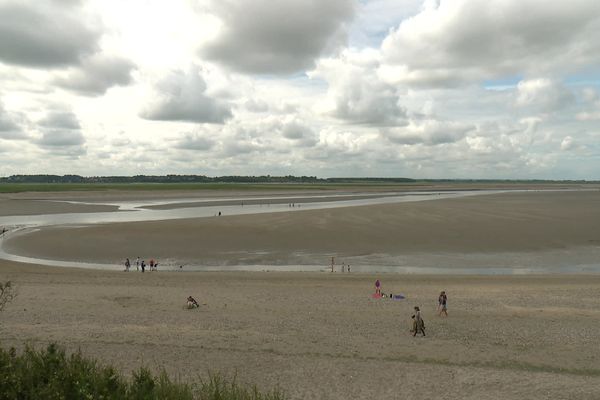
{"x":503,"y":83}
{"x":586,"y":79}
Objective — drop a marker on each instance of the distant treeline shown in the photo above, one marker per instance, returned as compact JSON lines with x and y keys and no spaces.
{"x":251,"y":179}
{"x":191,"y":179}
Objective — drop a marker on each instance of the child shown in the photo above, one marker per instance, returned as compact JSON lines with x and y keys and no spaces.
{"x":192,"y":303}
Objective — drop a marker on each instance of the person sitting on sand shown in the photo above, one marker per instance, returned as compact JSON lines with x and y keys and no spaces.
{"x":442,"y":304}
{"x":418,"y":323}
{"x":192,"y":303}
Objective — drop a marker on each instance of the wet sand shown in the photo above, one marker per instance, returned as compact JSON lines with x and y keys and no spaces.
{"x":545,"y":229}
{"x":320,"y":335}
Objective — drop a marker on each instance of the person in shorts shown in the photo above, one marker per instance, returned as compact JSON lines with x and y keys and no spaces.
{"x":443,"y":304}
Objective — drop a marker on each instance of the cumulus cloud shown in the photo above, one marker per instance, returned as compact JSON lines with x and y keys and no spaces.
{"x":430,"y":133}
{"x":61,"y":134}
{"x":183,"y":96}
{"x":465,"y":41}
{"x":97,"y":74}
{"x":299,"y":133}
{"x":356,"y":93}
{"x":257,"y":106}
{"x":567,"y":143}
{"x":60,"y":120}
{"x":194,"y":141}
{"x":543,"y":94}
{"x":9,"y":128}
{"x":61,"y":138}
{"x":43,"y":34}
{"x":281,"y":37}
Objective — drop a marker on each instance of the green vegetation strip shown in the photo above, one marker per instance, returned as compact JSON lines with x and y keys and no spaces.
{"x":51,"y":374}
{"x":67,"y":187}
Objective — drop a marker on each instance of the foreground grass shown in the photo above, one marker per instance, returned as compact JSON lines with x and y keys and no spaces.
{"x":52,"y":374}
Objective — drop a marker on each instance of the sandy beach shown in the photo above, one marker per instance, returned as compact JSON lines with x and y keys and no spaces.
{"x":320,"y":335}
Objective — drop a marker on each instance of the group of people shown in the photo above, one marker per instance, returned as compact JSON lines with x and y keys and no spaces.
{"x":345,"y":268}
{"x":141,"y":264}
{"x":418,"y":322}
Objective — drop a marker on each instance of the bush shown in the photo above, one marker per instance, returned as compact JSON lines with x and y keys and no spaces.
{"x":51,"y":374}
{"x":7,"y":294}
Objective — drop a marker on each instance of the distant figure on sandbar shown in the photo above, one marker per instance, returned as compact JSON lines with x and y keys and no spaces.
{"x":377,"y":287}
{"x":127,"y":264}
{"x":219,"y":213}
{"x":192,"y":303}
{"x":137,"y":264}
{"x":348,"y":267}
{"x":152,"y":264}
{"x":443,"y":303}
{"x":418,"y":323}
{"x":143,"y":265}
{"x":156,"y":266}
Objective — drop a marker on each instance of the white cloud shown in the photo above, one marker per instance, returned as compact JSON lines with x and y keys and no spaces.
{"x":543,"y":94}
{"x":470,"y":41}
{"x":97,"y":74}
{"x":183,"y":96}
{"x":430,"y":133}
{"x":282,"y":37}
{"x":194,"y":141}
{"x":336,"y":88}
{"x":356,"y":94}
{"x":9,"y":127}
{"x":44,"y":34}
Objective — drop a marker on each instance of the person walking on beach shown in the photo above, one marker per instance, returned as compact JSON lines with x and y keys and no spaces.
{"x":137,"y":264}
{"x":418,"y":323}
{"x":127,"y":265}
{"x":378,"y":287}
{"x":143,"y":265}
{"x":442,"y":304}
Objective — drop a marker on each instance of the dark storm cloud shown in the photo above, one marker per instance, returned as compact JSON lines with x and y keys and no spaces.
{"x":42,"y":34}
{"x":182,"y":96}
{"x":280,"y":37}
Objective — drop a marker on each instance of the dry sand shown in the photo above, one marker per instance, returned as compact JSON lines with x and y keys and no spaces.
{"x":320,"y":335}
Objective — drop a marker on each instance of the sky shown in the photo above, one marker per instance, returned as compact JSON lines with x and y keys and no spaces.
{"x":480,"y":89}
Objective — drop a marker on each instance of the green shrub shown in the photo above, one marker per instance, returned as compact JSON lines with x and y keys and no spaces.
{"x":52,"y":374}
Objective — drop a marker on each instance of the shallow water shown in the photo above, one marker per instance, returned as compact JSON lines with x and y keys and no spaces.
{"x":136,"y":211}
